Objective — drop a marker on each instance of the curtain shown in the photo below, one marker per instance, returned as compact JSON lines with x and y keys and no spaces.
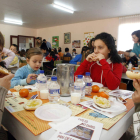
{"x":127,"y":25}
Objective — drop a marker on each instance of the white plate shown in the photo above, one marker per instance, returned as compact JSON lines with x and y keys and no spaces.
{"x":53,"y":112}
{"x":98,"y":84}
{"x":115,"y":107}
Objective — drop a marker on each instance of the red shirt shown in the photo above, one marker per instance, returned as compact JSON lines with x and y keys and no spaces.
{"x":107,"y":74}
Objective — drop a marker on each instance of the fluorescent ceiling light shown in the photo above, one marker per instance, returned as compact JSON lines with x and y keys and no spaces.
{"x":63,"y":8}
{"x":13,"y":21}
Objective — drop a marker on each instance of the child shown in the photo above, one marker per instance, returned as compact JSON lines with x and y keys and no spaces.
{"x":5,"y":51}
{"x":129,"y":59}
{"x":28,"y":74}
{"x":15,"y":63}
{"x":104,"y":64}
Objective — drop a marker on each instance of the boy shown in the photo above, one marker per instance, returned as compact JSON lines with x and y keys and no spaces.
{"x":15,"y":63}
{"x":67,"y":54}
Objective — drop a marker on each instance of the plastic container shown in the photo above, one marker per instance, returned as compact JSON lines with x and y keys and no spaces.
{"x":54,"y":90}
{"x":42,"y":85}
{"x":79,"y":86}
{"x":130,"y":65}
{"x":88,"y":83}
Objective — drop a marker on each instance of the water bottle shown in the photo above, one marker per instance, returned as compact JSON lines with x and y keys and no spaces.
{"x":79,"y":86}
{"x":130,"y":65}
{"x":42,"y":85}
{"x":54,"y":90}
{"x":88,"y":83}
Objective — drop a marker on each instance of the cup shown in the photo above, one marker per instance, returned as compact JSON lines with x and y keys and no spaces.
{"x":44,"y":94}
{"x":75,"y":98}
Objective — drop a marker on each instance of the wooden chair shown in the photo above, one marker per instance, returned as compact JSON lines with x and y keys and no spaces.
{"x":123,"y":86}
{"x":66,"y":59}
{"x":22,"y":64}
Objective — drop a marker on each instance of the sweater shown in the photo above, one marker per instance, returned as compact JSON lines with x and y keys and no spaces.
{"x":21,"y":76}
{"x":76,"y":59}
{"x":109,"y":74}
{"x":3,"y":92}
{"x":136,"y":49}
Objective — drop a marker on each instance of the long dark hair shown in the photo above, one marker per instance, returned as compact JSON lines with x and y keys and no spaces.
{"x":110,"y":43}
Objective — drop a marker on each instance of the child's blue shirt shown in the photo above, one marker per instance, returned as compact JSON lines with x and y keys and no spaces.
{"x":21,"y":76}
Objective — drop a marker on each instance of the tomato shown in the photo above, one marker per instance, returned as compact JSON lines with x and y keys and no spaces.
{"x":24,"y":92}
{"x":103,"y":94}
{"x":95,"y":88}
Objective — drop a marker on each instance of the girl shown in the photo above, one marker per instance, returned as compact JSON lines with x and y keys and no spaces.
{"x":28,"y":74}
{"x":108,"y":69}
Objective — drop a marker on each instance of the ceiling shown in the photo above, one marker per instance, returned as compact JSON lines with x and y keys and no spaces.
{"x":40,"y":13}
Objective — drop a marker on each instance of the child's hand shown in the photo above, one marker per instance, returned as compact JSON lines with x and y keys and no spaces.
{"x":31,"y":77}
{"x":136,"y":94}
{"x":89,"y":58}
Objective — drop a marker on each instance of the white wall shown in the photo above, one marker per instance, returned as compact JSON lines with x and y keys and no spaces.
{"x":78,"y":29}
{"x":8,"y":30}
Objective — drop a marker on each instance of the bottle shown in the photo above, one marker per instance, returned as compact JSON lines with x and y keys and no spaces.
{"x":79,"y":86}
{"x":54,"y":90}
{"x":88,"y":83}
{"x":130,"y":65}
{"x":42,"y":85}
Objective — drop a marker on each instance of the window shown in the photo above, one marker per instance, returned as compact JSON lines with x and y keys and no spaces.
{"x":126,"y":27}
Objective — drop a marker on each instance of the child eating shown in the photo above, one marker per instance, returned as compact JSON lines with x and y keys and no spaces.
{"x":28,"y":74}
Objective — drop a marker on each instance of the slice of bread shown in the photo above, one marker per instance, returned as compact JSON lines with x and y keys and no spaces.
{"x":33,"y":104}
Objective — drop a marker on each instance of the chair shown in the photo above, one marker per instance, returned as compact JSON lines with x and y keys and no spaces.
{"x":66,"y":59}
{"x":57,"y":62}
{"x":22,"y":64}
{"x":123,"y":86}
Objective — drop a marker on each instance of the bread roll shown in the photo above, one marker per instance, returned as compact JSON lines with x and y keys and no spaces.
{"x":133,"y":75}
{"x":33,"y":104}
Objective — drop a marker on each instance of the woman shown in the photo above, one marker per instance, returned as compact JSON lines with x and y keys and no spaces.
{"x":136,"y":48}
{"x":104,"y":64}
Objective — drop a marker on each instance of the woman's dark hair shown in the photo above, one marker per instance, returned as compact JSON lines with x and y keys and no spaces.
{"x":137,"y":33}
{"x":110,"y":43}
{"x":90,"y":43}
{"x":85,"y":48}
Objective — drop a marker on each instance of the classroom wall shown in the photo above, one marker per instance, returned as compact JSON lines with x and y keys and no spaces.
{"x":8,"y":30}
{"x":77,"y":31}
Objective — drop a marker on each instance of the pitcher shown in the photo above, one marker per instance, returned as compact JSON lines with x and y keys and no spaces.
{"x":65,"y":77}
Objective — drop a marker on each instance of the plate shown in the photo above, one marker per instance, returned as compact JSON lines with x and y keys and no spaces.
{"x":53,"y":112}
{"x":115,"y":107}
{"x":98,"y":84}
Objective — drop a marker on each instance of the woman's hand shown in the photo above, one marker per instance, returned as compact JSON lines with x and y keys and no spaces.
{"x":31,"y":77}
{"x":136,"y":94}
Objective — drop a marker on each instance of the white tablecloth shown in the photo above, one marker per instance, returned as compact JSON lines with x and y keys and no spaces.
{"x":20,"y":132}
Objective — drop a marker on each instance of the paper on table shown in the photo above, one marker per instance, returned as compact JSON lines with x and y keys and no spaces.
{"x":87,"y":130}
{"x":66,"y":125}
{"x":125,"y":94}
{"x":89,"y":105}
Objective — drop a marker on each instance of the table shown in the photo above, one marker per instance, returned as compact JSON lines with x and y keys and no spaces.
{"x":20,"y":132}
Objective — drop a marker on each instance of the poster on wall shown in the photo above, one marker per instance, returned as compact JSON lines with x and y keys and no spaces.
{"x":67,"y":38}
{"x":76,"y":44}
{"x":55,"y":41}
{"x":87,"y":37}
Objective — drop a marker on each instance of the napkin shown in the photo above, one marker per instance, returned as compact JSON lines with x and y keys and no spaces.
{"x":66,"y":125}
{"x":9,"y":94}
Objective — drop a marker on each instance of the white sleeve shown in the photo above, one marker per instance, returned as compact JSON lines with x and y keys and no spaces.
{"x":10,"y":57}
